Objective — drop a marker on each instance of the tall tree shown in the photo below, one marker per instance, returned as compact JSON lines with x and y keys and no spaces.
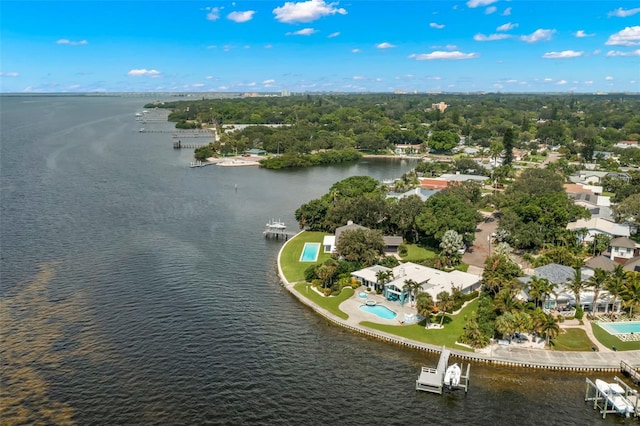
{"x":631,"y":293}
{"x":451,"y":243}
{"x":360,"y":245}
{"x":424,"y":306}
{"x":597,"y":283}
{"x":444,"y":303}
{"x":508,"y":141}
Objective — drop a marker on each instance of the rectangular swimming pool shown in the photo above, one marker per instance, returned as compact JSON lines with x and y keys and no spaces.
{"x":310,"y":252}
{"x":621,"y":327}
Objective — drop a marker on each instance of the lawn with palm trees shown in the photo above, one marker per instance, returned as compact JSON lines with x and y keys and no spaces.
{"x":329,"y":303}
{"x":447,"y":336}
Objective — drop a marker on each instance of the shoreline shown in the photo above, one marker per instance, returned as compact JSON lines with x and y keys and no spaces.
{"x":498,"y":355}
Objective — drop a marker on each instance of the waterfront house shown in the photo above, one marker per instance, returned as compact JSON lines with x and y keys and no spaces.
{"x":432,"y":281}
{"x":391,"y":242}
{"x":562,"y":298}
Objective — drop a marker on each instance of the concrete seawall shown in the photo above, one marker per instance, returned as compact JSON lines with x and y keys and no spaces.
{"x":525,"y":358}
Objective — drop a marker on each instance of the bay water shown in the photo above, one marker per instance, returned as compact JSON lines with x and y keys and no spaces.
{"x":136,"y":290}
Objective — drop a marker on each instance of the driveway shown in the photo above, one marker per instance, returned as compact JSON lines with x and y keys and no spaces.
{"x":481,"y":248}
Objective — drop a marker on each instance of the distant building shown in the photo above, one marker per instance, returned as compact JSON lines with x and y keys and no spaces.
{"x":285,"y":93}
{"x":439,"y":106}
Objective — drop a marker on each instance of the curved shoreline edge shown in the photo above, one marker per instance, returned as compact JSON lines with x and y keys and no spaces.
{"x":550,"y":360}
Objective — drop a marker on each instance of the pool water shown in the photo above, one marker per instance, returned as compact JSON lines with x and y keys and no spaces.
{"x":621,"y":327}
{"x":363,"y":295}
{"x":379,"y":310}
{"x":310,"y":252}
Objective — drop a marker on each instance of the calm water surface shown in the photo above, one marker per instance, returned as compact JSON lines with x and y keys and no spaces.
{"x":138,"y":291}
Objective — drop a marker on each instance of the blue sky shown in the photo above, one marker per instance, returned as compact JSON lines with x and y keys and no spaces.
{"x":317,"y":45}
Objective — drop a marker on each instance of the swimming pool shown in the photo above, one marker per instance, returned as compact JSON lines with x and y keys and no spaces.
{"x":379,"y":310}
{"x":621,"y":327}
{"x":310,"y":252}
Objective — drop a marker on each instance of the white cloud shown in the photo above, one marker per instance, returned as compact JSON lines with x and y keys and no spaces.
{"x":306,"y":11}
{"x":562,"y":55}
{"x":358,"y":77}
{"x":9,"y":74}
{"x":597,"y":52}
{"x":209,"y":77}
{"x":479,"y":3}
{"x":491,"y":37}
{"x":436,"y":25}
{"x":385,"y":45}
{"x":548,"y":79}
{"x":561,"y":82}
{"x":620,"y":53}
{"x":456,"y":55}
{"x":332,"y":35}
{"x":240,"y":17}
{"x":143,"y":72}
{"x":623,"y":13}
{"x":588,"y":82}
{"x":581,"y":34}
{"x":268,"y":46}
{"x":506,"y":27}
{"x":507,"y":12}
{"x":630,"y":36}
{"x":451,"y":47}
{"x":214,"y":14}
{"x":303,"y":32}
{"x":72,"y":43}
{"x":268,"y":82}
{"x":511,"y":81}
{"x":490,"y":10}
{"x":608,"y":78}
{"x":356,"y":50}
{"x":538,"y":35}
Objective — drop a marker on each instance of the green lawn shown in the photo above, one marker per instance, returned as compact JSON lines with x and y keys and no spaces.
{"x":292,"y":268}
{"x":329,"y":303}
{"x":610,"y":341}
{"x":453,"y":328}
{"x":417,"y":254}
{"x":572,"y":339}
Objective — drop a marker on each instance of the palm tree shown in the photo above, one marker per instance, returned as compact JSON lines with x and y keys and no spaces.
{"x":506,"y":324}
{"x":615,"y":283}
{"x":444,"y":303}
{"x":631,"y":293}
{"x":424,"y":306}
{"x":576,"y":285}
{"x":383,"y":277}
{"x":537,"y":289}
{"x":413,"y":288}
{"x":548,"y":326}
{"x":507,"y":302}
{"x":597,"y":282}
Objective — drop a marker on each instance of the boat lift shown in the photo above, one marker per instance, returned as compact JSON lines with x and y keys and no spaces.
{"x":432,"y":379}
{"x":602,"y":403}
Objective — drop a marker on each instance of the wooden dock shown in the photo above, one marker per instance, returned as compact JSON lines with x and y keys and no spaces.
{"x":432,"y":379}
{"x":188,"y":145}
{"x":630,"y":372}
{"x":277,"y":229}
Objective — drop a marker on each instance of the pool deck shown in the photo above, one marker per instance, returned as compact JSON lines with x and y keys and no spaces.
{"x":528,"y":356}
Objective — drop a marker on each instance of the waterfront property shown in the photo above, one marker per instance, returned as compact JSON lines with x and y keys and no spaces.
{"x":379,"y":311}
{"x":432,"y":281}
{"x":310,"y":252}
{"x":627,"y":331}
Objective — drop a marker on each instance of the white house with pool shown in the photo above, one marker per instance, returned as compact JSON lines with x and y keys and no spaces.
{"x":432,"y":281}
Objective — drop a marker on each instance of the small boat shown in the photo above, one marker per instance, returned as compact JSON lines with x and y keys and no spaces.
{"x":452,"y":376}
{"x":615,"y":395}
